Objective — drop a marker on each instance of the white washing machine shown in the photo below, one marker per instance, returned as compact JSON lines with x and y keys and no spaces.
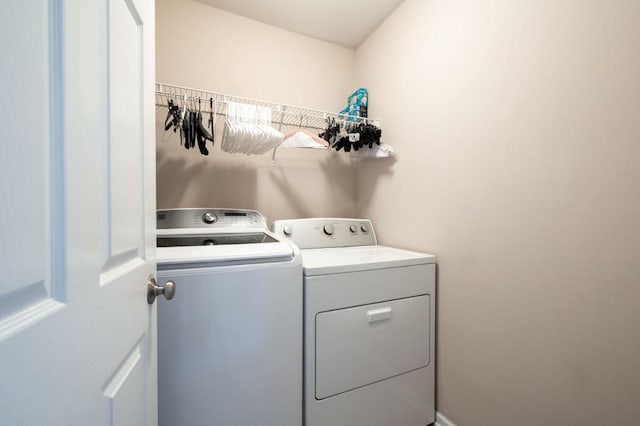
{"x":230,"y":342}
{"x":369,"y":326}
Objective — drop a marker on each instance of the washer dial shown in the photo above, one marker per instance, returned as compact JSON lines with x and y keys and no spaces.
{"x":209,"y":218}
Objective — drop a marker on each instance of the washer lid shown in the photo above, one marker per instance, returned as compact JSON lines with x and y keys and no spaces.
{"x":221,"y":255}
{"x":214,"y":239}
{"x":351,"y":259}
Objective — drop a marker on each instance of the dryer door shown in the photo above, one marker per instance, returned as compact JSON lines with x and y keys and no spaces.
{"x":362,"y":345}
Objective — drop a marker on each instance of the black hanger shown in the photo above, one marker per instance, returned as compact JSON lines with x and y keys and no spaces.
{"x":173,"y":116}
{"x":211,"y":121}
{"x":202,"y":135}
{"x":186,"y":129}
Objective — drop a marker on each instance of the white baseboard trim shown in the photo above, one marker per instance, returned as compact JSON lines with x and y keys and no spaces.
{"x":441,"y":420}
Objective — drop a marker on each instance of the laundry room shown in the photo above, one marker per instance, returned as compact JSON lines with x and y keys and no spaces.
{"x":320,"y":213}
{"x":515,"y":137}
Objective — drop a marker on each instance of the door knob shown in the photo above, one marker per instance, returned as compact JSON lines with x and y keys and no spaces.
{"x":154,"y":290}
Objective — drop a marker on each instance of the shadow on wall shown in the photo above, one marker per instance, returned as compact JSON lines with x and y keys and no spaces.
{"x":180,"y":182}
{"x":335,"y":183}
{"x":369,"y":172}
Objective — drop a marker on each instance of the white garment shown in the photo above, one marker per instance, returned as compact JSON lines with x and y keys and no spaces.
{"x":248,"y":130}
{"x":302,"y":140}
{"x":378,"y":151}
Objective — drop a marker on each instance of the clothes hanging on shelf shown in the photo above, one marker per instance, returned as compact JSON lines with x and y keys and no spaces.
{"x":248,"y":130}
{"x":173,"y":116}
{"x":195,"y":132}
{"x":301,"y":138}
{"x":347,"y":135}
{"x":377,"y":151}
{"x":188,"y":122}
{"x":254,"y":126}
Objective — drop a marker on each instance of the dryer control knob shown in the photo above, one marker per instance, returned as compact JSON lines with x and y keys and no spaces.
{"x":287,"y":230}
{"x":209,"y":218}
{"x":328,"y":229}
{"x":364,"y":228}
{"x":353,"y":229}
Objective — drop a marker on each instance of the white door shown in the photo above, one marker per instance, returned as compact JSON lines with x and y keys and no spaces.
{"x":77,"y":201}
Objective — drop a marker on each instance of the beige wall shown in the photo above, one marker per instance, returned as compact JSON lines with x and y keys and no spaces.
{"x":203,"y":47}
{"x":517,"y":128}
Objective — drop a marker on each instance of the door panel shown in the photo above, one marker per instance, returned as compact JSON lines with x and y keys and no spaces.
{"x":28,"y":177}
{"x":126,"y":391}
{"x":77,"y":192}
{"x":124,"y":236}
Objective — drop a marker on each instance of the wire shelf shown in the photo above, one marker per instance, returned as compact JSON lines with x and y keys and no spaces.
{"x":282,"y":115}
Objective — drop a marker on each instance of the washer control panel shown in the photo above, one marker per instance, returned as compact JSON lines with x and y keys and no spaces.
{"x":326,"y":232}
{"x":209,"y":218}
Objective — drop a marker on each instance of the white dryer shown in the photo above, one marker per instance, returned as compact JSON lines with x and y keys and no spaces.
{"x":230,"y":342}
{"x":369,"y":324}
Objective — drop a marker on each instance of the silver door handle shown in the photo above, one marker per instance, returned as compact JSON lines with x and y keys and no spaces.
{"x":374,"y":315}
{"x":154,"y":290}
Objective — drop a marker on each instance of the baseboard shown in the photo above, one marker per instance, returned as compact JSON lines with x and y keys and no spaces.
{"x":441,"y":420}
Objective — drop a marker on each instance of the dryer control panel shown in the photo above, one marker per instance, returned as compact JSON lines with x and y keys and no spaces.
{"x":326,"y":232}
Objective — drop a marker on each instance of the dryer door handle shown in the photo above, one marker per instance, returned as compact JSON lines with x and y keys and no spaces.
{"x":374,"y":315}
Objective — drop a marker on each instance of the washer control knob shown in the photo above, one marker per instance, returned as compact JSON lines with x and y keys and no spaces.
{"x":364,"y":228}
{"x":209,"y":218}
{"x":353,"y":229}
{"x":287,"y":229}
{"x":328,"y":229}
